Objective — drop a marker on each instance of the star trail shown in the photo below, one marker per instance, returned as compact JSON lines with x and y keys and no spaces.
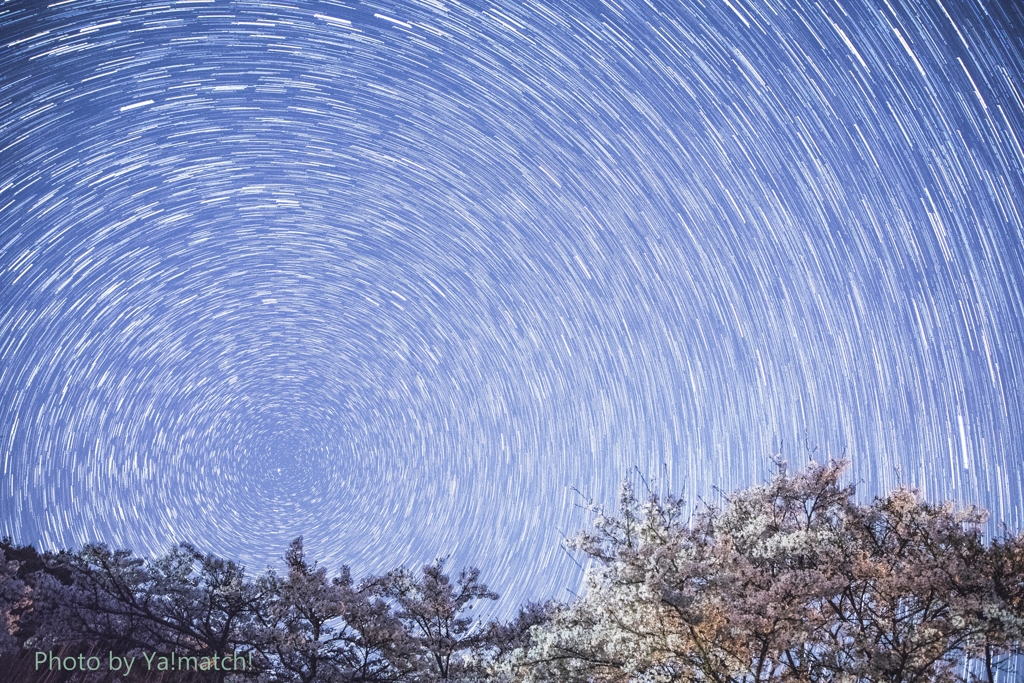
{"x":404,"y":277}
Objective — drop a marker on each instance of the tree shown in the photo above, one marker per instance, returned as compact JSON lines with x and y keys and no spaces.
{"x":183,"y":602}
{"x":790,"y":581}
{"x":435,"y":614}
{"x":917,"y":588}
{"x":320,"y":630}
{"x":108,"y":602}
{"x":15,"y":598}
{"x":1004,"y":621}
{"x":502,"y":639}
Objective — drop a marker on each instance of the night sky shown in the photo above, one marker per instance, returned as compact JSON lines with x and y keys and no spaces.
{"x":415,"y":279}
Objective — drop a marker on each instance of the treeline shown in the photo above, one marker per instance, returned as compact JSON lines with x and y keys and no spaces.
{"x":792,"y":581}
{"x":99,"y":615}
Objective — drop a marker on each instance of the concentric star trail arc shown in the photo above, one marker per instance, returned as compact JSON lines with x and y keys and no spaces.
{"x":415,"y":278}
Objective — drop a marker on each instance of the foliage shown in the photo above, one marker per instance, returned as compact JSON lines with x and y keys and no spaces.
{"x":433,"y":610}
{"x":316,"y":629}
{"x":15,"y":597}
{"x":302,"y":627}
{"x":791,"y":581}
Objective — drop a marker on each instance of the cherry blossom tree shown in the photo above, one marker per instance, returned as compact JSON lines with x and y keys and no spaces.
{"x":184,"y":602}
{"x":329,"y":630}
{"x":435,"y":612}
{"x":790,"y":581}
{"x":15,"y":597}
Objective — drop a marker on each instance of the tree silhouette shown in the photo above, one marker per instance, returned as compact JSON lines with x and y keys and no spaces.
{"x":435,"y":613}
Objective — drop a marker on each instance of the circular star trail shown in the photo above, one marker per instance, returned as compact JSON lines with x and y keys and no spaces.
{"x":401,"y":277}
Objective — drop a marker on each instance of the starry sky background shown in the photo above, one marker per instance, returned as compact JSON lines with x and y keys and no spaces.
{"x":401,"y":276}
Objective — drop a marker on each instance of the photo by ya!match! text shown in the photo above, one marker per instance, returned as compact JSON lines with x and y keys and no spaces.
{"x":146,"y":661}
